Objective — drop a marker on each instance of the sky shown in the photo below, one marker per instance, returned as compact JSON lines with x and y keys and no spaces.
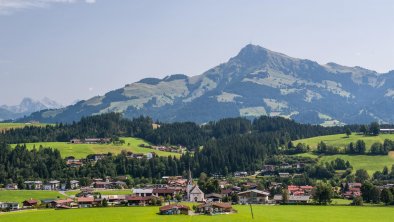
{"x":70,"y":50}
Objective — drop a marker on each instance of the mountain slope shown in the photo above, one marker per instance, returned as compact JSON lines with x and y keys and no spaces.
{"x":255,"y":82}
{"x":26,"y":107}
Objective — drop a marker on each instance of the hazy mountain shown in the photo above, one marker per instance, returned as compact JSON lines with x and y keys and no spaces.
{"x":26,"y":107}
{"x":255,"y":82}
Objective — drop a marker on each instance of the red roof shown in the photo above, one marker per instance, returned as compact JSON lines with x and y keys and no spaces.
{"x":164,"y":191}
{"x":138,"y":198}
{"x":30,"y":202}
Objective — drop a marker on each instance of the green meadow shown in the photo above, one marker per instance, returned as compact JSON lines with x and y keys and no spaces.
{"x":370,"y":163}
{"x":82,"y":150}
{"x":21,"y":195}
{"x":262,"y":213}
{"x":7,"y":126}
{"x":341,"y":140}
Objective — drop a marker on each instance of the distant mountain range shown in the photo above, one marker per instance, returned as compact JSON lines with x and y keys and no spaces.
{"x":27,"y":107}
{"x":255,"y":82}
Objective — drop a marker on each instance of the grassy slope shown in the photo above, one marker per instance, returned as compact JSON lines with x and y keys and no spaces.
{"x":21,"y":195}
{"x":341,"y":140}
{"x":367,"y":162}
{"x":82,"y":150}
{"x":261,"y":213}
{"x":7,"y":126}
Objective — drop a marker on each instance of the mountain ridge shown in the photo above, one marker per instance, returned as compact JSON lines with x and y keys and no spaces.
{"x":255,"y":82}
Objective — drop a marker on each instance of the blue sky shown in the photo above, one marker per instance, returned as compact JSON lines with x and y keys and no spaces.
{"x":75,"y":49}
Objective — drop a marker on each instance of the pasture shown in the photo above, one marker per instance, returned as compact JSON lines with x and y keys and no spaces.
{"x":8,"y":126}
{"x":342,"y":141}
{"x":21,"y":195}
{"x":82,"y":150}
{"x":262,"y":213}
{"x":368,"y":162}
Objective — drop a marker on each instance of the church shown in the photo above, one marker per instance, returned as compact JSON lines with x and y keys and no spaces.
{"x":194,"y":194}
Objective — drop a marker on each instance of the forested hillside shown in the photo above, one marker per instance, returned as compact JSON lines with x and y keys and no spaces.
{"x":224,"y":146}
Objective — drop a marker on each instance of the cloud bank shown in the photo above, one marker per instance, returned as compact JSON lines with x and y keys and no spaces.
{"x":10,"y":6}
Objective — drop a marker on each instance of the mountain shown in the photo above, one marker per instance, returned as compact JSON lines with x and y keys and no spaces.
{"x":26,"y":107}
{"x":255,"y":82}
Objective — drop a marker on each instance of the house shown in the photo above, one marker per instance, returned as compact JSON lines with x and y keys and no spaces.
{"x":74,"y":184}
{"x":196,"y":195}
{"x":284,"y":175}
{"x":33,"y":185}
{"x":47,"y":203}
{"x":75,"y":141}
{"x":253,"y":197}
{"x":143,"y":192}
{"x":85,"y":202}
{"x":214,"y":208}
{"x":30,"y":203}
{"x":302,"y":199}
{"x":73,"y":163}
{"x":11,"y":186}
{"x":102,"y":185}
{"x":54,"y":185}
{"x":9,"y":206}
{"x":62,"y":203}
{"x":268,"y":168}
{"x":140,"y":201}
{"x":119,"y":184}
{"x":163,"y":192}
{"x":174,"y":209}
{"x":114,"y":200}
{"x":226,"y":192}
{"x":213,"y":197}
{"x":241,"y":174}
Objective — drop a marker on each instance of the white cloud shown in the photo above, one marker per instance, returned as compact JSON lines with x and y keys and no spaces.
{"x":9,"y":6}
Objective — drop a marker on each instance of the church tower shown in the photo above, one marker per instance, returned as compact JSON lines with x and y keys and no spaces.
{"x":189,"y":186}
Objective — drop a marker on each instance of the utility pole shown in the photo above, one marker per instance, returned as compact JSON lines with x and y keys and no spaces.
{"x":251,"y":210}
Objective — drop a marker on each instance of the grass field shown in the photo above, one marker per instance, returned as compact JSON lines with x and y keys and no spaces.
{"x":341,"y":140}
{"x":82,"y":150}
{"x":367,"y":162}
{"x":261,"y":214}
{"x":7,"y":126}
{"x":21,"y":195}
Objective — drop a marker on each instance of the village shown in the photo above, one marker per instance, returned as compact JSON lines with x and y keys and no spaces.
{"x":176,"y":194}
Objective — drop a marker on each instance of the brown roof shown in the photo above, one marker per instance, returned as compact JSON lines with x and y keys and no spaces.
{"x":60,"y":202}
{"x":85,"y":199}
{"x":31,"y":202}
{"x":172,"y":206}
{"x":164,"y":191}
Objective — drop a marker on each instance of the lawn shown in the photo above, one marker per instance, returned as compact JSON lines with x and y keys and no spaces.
{"x":82,"y":150}
{"x":261,"y":213}
{"x":341,"y":140}
{"x":7,"y":126}
{"x":367,"y":162}
{"x":21,"y":195}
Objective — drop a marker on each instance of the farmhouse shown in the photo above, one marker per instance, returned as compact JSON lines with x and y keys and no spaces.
{"x":163,"y":192}
{"x":174,"y":209}
{"x":62,"y":203}
{"x":143,"y":192}
{"x":9,"y":206}
{"x":74,"y":184}
{"x":85,"y":202}
{"x":30,"y":203}
{"x":389,"y":131}
{"x":52,"y":185}
{"x":253,"y":197}
{"x":213,"y":197}
{"x":140,"y":201}
{"x":33,"y":185}
{"x":11,"y":186}
{"x":214,"y":208}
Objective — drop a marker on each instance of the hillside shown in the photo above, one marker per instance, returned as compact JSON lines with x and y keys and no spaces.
{"x":82,"y":150}
{"x":342,"y":141}
{"x":255,"y":82}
